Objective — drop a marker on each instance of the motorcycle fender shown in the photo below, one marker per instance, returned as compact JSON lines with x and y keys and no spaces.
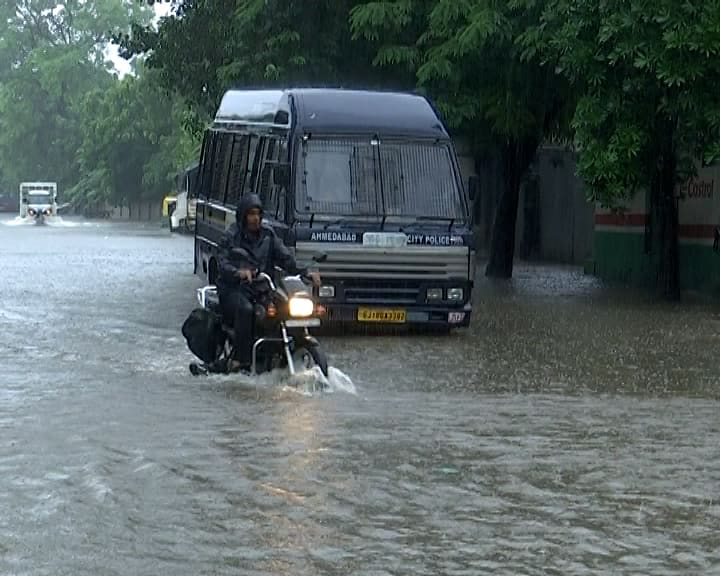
{"x":311,"y":340}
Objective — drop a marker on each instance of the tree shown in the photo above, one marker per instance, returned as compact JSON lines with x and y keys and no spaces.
{"x":647,"y":74}
{"x":466,"y":55}
{"x":208,"y":46}
{"x":39,"y":128}
{"x":50,"y":56}
{"x":133,"y":143}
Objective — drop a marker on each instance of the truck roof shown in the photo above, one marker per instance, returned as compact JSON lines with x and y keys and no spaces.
{"x":333,"y":111}
{"x":45,"y":185}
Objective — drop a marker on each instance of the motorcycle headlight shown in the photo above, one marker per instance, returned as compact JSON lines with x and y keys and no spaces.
{"x":301,"y":307}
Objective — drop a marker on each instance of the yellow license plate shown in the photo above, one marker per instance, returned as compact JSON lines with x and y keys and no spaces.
{"x":391,"y":316}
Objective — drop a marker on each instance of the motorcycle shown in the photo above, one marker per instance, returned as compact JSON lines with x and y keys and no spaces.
{"x":284,"y":314}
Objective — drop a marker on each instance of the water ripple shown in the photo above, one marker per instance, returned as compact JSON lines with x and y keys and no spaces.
{"x":572,"y":430}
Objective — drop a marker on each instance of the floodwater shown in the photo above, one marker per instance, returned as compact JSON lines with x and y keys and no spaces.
{"x":572,"y":429}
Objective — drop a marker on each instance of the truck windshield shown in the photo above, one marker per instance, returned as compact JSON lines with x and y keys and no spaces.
{"x":38,"y":199}
{"x":398,"y":179}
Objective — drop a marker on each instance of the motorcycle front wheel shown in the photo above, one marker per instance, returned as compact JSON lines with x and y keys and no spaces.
{"x":307,"y":357}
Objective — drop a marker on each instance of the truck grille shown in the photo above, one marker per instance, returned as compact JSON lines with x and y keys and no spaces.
{"x":381,"y":292}
{"x":412,"y":264}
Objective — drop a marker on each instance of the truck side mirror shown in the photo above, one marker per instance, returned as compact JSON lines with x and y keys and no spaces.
{"x":282,"y":117}
{"x":473,"y":187}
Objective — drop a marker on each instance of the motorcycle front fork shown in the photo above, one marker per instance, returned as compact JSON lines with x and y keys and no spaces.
{"x":286,"y":345}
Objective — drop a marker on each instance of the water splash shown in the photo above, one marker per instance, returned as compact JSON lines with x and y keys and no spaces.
{"x":341,"y":382}
{"x":309,"y":382}
{"x":55,"y":222}
{"x":18,"y":221}
{"x":313,"y":381}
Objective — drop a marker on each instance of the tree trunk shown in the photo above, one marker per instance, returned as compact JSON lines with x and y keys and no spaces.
{"x":668,"y":264}
{"x":516,"y":158}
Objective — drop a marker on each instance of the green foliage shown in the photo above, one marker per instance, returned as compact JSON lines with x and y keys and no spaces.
{"x":211,"y":45}
{"x":466,"y":55}
{"x":65,"y":117}
{"x":133,"y":143}
{"x":643,"y":69}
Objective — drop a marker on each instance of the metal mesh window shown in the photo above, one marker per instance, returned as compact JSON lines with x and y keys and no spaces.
{"x":353,"y":177}
{"x":271,"y":194}
{"x":237,"y":169}
{"x":219,"y":164}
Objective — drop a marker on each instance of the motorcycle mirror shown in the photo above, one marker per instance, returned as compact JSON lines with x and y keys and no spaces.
{"x":320,"y":258}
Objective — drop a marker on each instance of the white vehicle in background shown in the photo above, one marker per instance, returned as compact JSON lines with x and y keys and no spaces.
{"x":38,"y":201}
{"x":181,"y":211}
{"x":182,"y":215}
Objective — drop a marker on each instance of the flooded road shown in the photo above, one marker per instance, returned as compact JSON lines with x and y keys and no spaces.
{"x":571,"y":430}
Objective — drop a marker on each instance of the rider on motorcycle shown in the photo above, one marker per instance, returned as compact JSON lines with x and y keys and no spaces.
{"x":260,"y":251}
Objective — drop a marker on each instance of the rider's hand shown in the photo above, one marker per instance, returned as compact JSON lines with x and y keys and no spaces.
{"x":315,"y":277}
{"x":244,"y":274}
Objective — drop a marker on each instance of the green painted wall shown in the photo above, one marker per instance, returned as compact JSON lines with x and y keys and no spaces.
{"x":619,"y":258}
{"x":699,"y":268}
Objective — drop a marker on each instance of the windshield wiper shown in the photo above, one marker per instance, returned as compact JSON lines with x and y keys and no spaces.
{"x":338,"y":222}
{"x":420,"y":219}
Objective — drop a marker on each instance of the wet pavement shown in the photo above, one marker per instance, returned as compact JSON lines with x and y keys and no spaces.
{"x":573,"y":429}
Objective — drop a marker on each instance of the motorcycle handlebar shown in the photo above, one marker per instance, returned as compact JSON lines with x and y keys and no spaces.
{"x":264,"y":277}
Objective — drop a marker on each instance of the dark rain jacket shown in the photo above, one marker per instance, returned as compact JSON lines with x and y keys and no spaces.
{"x":263,"y":251}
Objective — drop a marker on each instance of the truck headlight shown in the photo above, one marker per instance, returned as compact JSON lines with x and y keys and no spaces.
{"x":434,"y":294}
{"x":326,"y":292}
{"x":301,"y":307}
{"x":455,"y":294}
